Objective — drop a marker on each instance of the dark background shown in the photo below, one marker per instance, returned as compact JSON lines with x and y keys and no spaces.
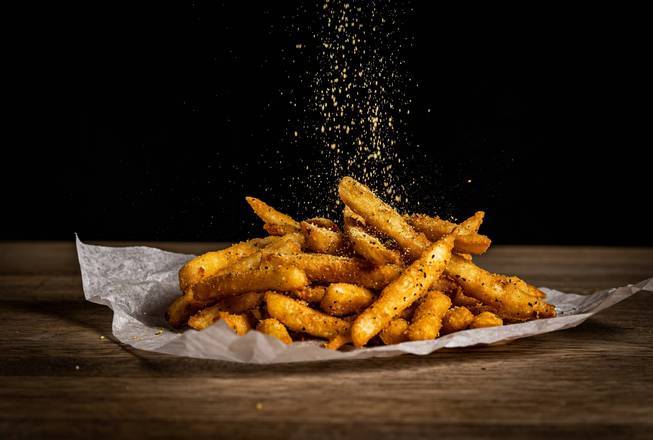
{"x":183,"y":110}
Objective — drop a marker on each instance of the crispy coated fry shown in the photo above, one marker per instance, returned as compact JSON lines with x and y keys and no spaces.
{"x":323,"y":240}
{"x":325,"y":268}
{"x":395,"y":332}
{"x":459,"y":299}
{"x":505,"y":297}
{"x":274,"y":328}
{"x":486,"y":319}
{"x":234,"y":283}
{"x":411,"y":285}
{"x":260,"y":243}
{"x":351,"y":218}
{"x":381,"y":216}
{"x":337,"y":342}
{"x":344,"y":299}
{"x":278,"y":230}
{"x":238,"y":323}
{"x":301,"y":318}
{"x":269,"y":215}
{"x":466,"y":242}
{"x":371,"y":248}
{"x":427,"y":320}
{"x":456,"y":319}
{"x":210,"y":263}
{"x":324,"y":223}
{"x":287,"y":244}
{"x":311,"y":294}
{"x":179,"y":311}
{"x":233,"y":304}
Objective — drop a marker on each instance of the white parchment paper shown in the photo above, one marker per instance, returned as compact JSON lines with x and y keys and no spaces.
{"x":138,"y":284}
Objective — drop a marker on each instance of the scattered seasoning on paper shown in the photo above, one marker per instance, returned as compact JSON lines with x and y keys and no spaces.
{"x":259,"y":406}
{"x":159,"y":332}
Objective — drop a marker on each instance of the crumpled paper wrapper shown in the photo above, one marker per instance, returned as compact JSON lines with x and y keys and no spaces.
{"x":138,"y":284}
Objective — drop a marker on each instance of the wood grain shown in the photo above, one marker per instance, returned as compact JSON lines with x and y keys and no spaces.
{"x":59,"y":379}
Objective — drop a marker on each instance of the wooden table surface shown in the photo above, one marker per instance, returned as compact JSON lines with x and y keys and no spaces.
{"x":59,"y":378}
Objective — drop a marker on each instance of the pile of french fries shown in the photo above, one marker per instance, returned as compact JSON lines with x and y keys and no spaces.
{"x":383,"y":278}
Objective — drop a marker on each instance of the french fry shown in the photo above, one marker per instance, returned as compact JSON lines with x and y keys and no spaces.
{"x":466,"y":241}
{"x":324,"y":223}
{"x":235,"y":283}
{"x":233,"y":304}
{"x":504,"y":297}
{"x":278,"y":230}
{"x":486,"y":319}
{"x":371,"y":248}
{"x":344,"y":299}
{"x":459,"y":299}
{"x":395,"y":332}
{"x":337,"y":342}
{"x":210,"y":263}
{"x":301,"y":318}
{"x":274,"y":328}
{"x":427,"y":319}
{"x":271,"y":216}
{"x":350,"y":218}
{"x":411,"y":285}
{"x":287,"y":244}
{"x":261,"y":243}
{"x":323,"y":240}
{"x":179,"y":311}
{"x":310,"y":294}
{"x":381,"y":216}
{"x":456,"y":319}
{"x":324,"y":268}
{"x":238,"y":323}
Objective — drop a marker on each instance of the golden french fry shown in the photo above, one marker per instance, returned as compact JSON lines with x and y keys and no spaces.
{"x":238,"y":323}
{"x":324,"y":223}
{"x":395,"y":332}
{"x":301,"y":318}
{"x":506,"y":298}
{"x":466,"y":242}
{"x":271,"y":216}
{"x":278,"y":230}
{"x":274,"y":328}
{"x":351,"y":218}
{"x":411,"y":285}
{"x":233,"y":304}
{"x":337,"y":342}
{"x":427,"y":319}
{"x":344,"y":299}
{"x":521,"y":285}
{"x":235,"y":283}
{"x":260,"y":243}
{"x":323,"y":240}
{"x":310,"y":294}
{"x":324,"y":268}
{"x":381,"y":216}
{"x":456,"y":319}
{"x":179,"y":311}
{"x":486,"y":319}
{"x":371,"y":248}
{"x":287,"y":244}
{"x":210,"y":263}
{"x":459,"y":299}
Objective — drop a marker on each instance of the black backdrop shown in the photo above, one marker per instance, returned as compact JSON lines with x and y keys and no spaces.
{"x":182,"y":112}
